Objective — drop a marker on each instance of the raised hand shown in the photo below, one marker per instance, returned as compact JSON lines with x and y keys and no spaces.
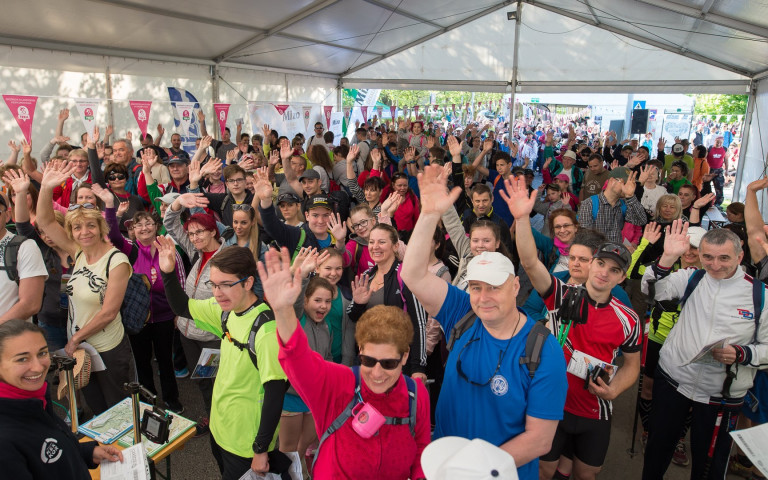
{"x":488,"y":145}
{"x":192,"y":200}
{"x":122,"y":208}
{"x":285,"y":150}
{"x":281,"y":288}
{"x":150,"y":156}
{"x":298,"y":260}
{"x":338,"y":228}
{"x":195,"y":173}
{"x":376,"y":158}
{"x":18,"y":181}
{"x":274,"y":157}
{"x":166,"y":252}
{"x":247,"y":163}
{"x":645,"y":173}
{"x":205,"y":142}
{"x":26,"y":147}
{"x":757,"y":185}
{"x":211,"y":167}
{"x":704,"y":201}
{"x":63,"y":114}
{"x":129,"y":136}
{"x":262,"y":186}
{"x":109,"y":131}
{"x":361,"y":290}
{"x":160,"y":130}
{"x":56,"y":173}
{"x":231,"y":156}
{"x":676,"y":240}
{"x":652,"y":232}
{"x":662,"y":143}
{"x":100,"y":150}
{"x":516,"y":195}
{"x":410,"y":154}
{"x":266,"y":131}
{"x":354,"y":151}
{"x":453,"y":146}
{"x":430,"y":142}
{"x":59,"y":139}
{"x":93,"y":138}
{"x":629,"y":186}
{"x":309,"y":263}
{"x":435,"y":197}
{"x":200,"y":116}
{"x":104,"y":194}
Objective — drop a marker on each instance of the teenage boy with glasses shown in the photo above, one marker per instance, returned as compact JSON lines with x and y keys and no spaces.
{"x":484,"y":369}
{"x":223,"y":204}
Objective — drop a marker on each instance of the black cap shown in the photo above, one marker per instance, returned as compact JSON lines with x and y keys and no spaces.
{"x":616,"y":252}
{"x":181,"y":157}
{"x":310,"y":174}
{"x":319,"y":200}
{"x":528,"y":172}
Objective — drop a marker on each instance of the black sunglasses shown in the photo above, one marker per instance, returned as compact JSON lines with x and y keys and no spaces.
{"x":464,"y":375}
{"x":386,"y":363}
{"x":116,"y":176}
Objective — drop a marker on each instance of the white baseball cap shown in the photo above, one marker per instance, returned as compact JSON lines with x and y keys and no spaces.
{"x":456,"y":458}
{"x":695,"y":234}
{"x":490,"y":267}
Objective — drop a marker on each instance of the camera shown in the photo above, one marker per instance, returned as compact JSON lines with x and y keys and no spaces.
{"x":595,"y":373}
{"x":156,"y":424}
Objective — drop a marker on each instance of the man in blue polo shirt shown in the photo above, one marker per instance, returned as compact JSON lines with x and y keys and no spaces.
{"x":487,"y":391}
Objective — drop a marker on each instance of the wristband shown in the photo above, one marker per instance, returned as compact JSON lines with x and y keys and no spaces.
{"x":695,"y":208}
{"x":259,"y":447}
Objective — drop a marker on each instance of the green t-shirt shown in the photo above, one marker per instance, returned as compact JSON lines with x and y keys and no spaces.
{"x":676,"y":184}
{"x":333,"y":320}
{"x":670,"y":159}
{"x":238,"y":391}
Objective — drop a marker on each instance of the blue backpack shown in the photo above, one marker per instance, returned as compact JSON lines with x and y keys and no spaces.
{"x":596,"y":206}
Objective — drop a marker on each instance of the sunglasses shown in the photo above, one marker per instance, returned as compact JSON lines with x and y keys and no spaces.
{"x":76,"y":206}
{"x":243,"y":207}
{"x":116,"y":176}
{"x":386,"y":363}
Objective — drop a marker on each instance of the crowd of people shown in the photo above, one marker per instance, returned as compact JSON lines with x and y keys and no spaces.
{"x":373,"y":295}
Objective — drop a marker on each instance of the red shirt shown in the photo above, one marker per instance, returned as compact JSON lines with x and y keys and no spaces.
{"x":716,"y":157}
{"x":610,"y":327}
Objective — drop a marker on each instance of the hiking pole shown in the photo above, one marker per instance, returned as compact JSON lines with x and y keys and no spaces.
{"x":715,"y":432}
{"x":650,"y":301}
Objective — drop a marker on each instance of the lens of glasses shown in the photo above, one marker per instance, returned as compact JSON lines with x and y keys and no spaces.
{"x":386,"y":363}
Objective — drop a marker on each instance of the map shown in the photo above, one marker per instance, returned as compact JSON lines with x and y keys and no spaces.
{"x":110,"y":425}
{"x":179,"y":425}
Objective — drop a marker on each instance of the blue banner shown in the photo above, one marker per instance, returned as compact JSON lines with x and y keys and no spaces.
{"x":181,"y":95}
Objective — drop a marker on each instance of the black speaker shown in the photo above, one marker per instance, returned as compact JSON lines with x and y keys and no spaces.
{"x":639,"y":122}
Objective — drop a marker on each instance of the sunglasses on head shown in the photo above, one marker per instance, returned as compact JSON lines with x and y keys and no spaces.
{"x":386,"y":363}
{"x":244,"y":207}
{"x":76,"y":206}
{"x":116,"y":176}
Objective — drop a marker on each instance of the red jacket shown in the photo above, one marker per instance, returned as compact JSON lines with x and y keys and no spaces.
{"x":63,"y":193}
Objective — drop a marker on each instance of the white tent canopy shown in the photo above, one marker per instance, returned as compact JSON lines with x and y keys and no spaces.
{"x":305,"y":50}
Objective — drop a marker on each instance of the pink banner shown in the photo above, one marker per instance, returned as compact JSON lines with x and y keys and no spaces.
{"x":347,"y":111}
{"x":467,"y":105}
{"x":23,"y":110}
{"x":141,"y":111}
{"x":305,"y":111}
{"x":393,"y":111}
{"x":221,"y":110}
{"x":416,"y":110}
{"x":453,"y":106}
{"x":364,"y":111}
{"x":380,"y":111}
{"x":327,"y":111}
{"x":435,"y":107}
{"x":281,"y":108}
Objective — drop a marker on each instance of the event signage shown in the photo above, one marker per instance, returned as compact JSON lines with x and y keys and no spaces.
{"x":185,"y":111}
{"x":393,"y":111}
{"x":328,"y":111}
{"x":88,"y":108}
{"x":306,"y":110}
{"x":23,"y":110}
{"x":289,"y":119}
{"x":364,"y":111}
{"x":222,"y":112}
{"x":141,"y":111}
{"x":416,"y":110}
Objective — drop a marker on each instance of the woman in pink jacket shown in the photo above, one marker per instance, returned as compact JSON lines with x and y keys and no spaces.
{"x":384,"y":335}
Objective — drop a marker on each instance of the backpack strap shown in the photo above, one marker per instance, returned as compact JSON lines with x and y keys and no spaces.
{"x":133,"y":255}
{"x":302,"y":238}
{"x":11,"y":257}
{"x":411,"y":418}
{"x":533,"y":346}
{"x":250,"y":344}
{"x":400,"y":284}
{"x":596,"y":206}
{"x":344,"y":415}
{"x":461,"y":326}
{"x":758,"y":300}
{"x":693,"y":281}
{"x":109,"y":260}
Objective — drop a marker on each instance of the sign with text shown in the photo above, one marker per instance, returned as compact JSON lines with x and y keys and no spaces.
{"x":22,"y":108}
{"x":140,"y":111}
{"x":288,"y":119}
{"x":222,"y":112}
{"x":88,"y":108}
{"x":185,"y":111}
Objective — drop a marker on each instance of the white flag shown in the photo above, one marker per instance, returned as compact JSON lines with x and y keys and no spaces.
{"x":185,"y":111}
{"x":87,"y":108}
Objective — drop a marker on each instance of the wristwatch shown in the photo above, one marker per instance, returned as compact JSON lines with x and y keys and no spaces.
{"x":259,"y":447}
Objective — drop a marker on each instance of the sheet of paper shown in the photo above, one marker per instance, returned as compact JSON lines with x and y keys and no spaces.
{"x":133,"y":467}
{"x":208,"y":364}
{"x":752,"y":442}
{"x":581,"y":363}
{"x":705,"y":355}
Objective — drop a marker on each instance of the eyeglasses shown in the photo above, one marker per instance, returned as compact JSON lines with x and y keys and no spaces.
{"x":116,"y":176}
{"x":386,"y":363}
{"x":464,"y":375}
{"x":561,"y":227}
{"x":243,"y":207}
{"x":78,"y":161}
{"x":235,"y":180}
{"x":76,"y":206}
{"x":361,"y":224}
{"x":196,"y":233}
{"x":224,"y":287}
{"x":143,"y":225}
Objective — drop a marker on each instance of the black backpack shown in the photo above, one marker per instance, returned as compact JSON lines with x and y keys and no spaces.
{"x":533,"y":345}
{"x":11,"y":257}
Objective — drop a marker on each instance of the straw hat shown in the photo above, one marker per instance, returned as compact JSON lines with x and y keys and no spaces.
{"x":82,"y":372}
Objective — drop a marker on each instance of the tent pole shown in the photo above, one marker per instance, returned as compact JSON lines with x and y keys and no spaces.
{"x":215,"y":96}
{"x":744,"y":142}
{"x":110,"y":106}
{"x":512,"y":109}
{"x":339,"y":92}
